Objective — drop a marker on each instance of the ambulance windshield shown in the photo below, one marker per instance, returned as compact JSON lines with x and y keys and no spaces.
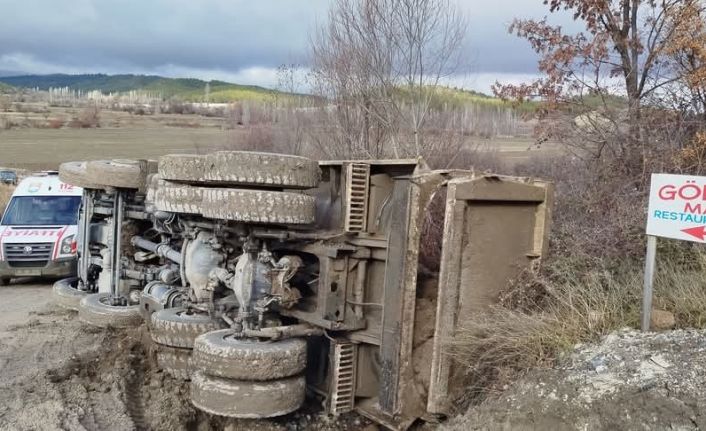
{"x":42,"y":211}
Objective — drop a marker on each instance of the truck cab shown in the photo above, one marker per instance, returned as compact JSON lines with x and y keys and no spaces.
{"x":38,"y":229}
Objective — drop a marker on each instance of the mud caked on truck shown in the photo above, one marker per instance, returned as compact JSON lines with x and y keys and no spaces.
{"x":265,"y":279}
{"x":38,"y":231}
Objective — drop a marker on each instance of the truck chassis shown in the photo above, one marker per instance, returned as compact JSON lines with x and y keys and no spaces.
{"x":262,"y":275}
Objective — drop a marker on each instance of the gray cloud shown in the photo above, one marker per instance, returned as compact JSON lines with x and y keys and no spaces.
{"x":223,"y":39}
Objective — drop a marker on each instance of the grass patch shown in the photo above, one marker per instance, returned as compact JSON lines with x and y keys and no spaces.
{"x":233,"y":94}
{"x":448,"y":98}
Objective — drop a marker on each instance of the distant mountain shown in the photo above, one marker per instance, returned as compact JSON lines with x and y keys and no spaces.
{"x":194,"y":90}
{"x":11,"y":73}
{"x":184,"y":88}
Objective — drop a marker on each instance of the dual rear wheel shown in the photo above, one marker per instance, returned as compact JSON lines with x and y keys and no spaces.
{"x":173,"y":331}
{"x":247,"y":378}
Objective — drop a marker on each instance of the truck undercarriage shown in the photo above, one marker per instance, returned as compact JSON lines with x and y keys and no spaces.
{"x":263,"y":277}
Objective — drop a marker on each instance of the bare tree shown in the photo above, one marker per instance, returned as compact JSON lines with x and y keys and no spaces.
{"x":381,"y":62}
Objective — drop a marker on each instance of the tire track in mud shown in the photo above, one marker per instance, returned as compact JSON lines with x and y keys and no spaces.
{"x":78,"y":377}
{"x":92,"y":385}
{"x":134,"y":382}
{"x":76,"y":381}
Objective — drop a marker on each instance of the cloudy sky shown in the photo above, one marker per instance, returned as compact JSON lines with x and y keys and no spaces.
{"x":240,"y":41}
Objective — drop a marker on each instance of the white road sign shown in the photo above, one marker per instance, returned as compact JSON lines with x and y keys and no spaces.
{"x":677,"y":207}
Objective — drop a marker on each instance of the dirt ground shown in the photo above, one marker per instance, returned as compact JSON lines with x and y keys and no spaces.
{"x":57,"y":373}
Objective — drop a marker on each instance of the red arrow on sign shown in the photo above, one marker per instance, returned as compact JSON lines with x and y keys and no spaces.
{"x":697,"y":232}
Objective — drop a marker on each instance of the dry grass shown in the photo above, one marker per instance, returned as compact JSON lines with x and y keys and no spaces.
{"x":681,"y":289}
{"x":541,"y":319}
{"x":5,"y":194}
{"x":123,"y":135}
{"x":186,"y":124}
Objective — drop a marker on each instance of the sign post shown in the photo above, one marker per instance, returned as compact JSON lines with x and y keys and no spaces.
{"x":677,"y":210}
{"x":649,"y":281}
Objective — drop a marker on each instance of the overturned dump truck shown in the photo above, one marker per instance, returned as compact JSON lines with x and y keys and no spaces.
{"x":265,"y":277}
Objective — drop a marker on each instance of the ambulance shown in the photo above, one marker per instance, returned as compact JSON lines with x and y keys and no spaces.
{"x":38,"y":229}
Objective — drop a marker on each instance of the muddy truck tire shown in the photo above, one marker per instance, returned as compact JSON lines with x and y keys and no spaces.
{"x":261,"y":169}
{"x":175,"y":327}
{"x":152,"y":182}
{"x":242,"y":168}
{"x":127,"y":174}
{"x":187,"y":168}
{"x":247,"y":399}
{"x":96,"y":310}
{"x":174,"y":361}
{"x":66,"y":295}
{"x":74,"y":173}
{"x":220,"y":354}
{"x":176,"y":198}
{"x":258,"y":206}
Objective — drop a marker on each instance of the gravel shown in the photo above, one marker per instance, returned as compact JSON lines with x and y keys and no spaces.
{"x":628,"y":380}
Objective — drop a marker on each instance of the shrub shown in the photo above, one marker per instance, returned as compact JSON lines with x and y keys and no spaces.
{"x":88,"y":118}
{"x":55,"y":123}
{"x":5,"y":194}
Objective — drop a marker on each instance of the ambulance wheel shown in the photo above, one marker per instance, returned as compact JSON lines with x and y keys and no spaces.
{"x":4,"y":281}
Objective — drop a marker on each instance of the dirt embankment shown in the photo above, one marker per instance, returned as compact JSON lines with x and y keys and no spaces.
{"x":60,"y":374}
{"x":629,"y":381}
